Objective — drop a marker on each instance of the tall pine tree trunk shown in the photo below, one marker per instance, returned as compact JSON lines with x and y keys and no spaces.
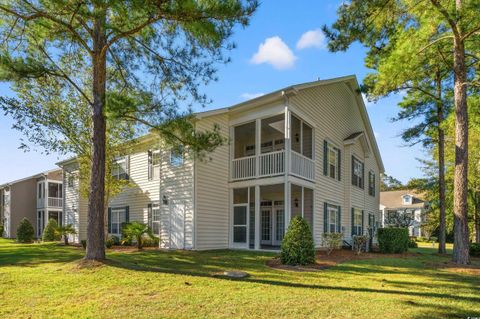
{"x":476,"y":217}
{"x":461,"y":244}
{"x":441,"y":168}
{"x":95,"y":225}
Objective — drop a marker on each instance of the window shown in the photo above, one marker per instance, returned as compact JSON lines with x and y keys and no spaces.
{"x":120,"y":168}
{"x":55,"y":190}
{"x":118,"y":217}
{"x":357,"y":172}
{"x":176,"y":156}
{"x":302,"y":137}
{"x":331,"y":161}
{"x":332,"y":218}
{"x":41,"y":190}
{"x":357,"y":222}
{"x":154,"y":161}
{"x":154,"y":217}
{"x":407,"y":200}
{"x":371,"y":183}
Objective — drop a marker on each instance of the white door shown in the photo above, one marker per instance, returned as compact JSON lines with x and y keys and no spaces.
{"x":177,"y":225}
{"x":240,"y":217}
{"x":278,"y":226}
{"x":266,"y":226}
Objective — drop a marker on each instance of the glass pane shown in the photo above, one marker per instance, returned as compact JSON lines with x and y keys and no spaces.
{"x":240,"y":195}
{"x":296,"y":127}
{"x":244,"y":136}
{"x":265,"y":224}
{"x":273,"y":134}
{"x":307,"y":141}
{"x":240,"y":234}
{"x":251,"y":236}
{"x":280,"y":219}
{"x":156,"y":228}
{"x":240,"y":215}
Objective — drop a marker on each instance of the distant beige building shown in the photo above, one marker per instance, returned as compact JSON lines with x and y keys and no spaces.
{"x":37,"y":198}
{"x":305,"y":150}
{"x":401,"y":202}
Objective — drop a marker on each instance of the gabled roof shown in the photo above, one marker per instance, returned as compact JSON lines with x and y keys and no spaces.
{"x":349,"y":80}
{"x":363,"y":141}
{"x":394,"y":199}
{"x":39,"y":175}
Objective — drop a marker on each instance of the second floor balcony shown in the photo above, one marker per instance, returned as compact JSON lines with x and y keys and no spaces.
{"x":49,"y":194}
{"x":272,"y":146}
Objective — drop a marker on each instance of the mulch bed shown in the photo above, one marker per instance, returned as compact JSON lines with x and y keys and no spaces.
{"x":324,"y":261}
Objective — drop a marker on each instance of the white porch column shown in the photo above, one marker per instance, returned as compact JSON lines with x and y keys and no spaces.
{"x":257,"y":217}
{"x":258,"y":149}
{"x":287,"y":206}
{"x":287,"y":188}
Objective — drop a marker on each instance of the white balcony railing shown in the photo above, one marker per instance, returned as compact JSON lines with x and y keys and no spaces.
{"x":302,"y":166}
{"x":244,"y":168}
{"x":55,"y":202}
{"x":272,"y":164}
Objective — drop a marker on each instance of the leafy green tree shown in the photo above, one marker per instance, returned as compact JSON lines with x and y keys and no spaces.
{"x":136,"y":231}
{"x":297,"y":246}
{"x":65,"y":231}
{"x":131,"y":61}
{"x":51,"y":233}
{"x":389,"y":183}
{"x":25,"y":231}
{"x":405,"y":33}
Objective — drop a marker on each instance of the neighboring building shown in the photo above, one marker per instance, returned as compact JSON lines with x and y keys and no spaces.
{"x":37,"y":198}
{"x":306,"y":150}
{"x":397,"y":203}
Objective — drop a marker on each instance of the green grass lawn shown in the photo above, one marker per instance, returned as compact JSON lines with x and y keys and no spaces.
{"x":44,"y":281}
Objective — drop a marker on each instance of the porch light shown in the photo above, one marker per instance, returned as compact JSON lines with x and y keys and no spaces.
{"x":296,"y":202}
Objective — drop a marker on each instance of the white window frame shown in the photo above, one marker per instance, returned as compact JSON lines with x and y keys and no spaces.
{"x":115,"y":219}
{"x":357,"y":221}
{"x":371,"y":183}
{"x":332,"y":209}
{"x":156,"y":213}
{"x":155,"y":167}
{"x":118,"y":164}
{"x":332,"y":149}
{"x":358,"y":165}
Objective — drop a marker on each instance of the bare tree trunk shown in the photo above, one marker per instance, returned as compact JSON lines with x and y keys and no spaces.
{"x":461,"y":244}
{"x":441,"y":169}
{"x":96,"y":208}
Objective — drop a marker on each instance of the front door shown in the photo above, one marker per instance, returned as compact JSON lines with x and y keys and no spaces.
{"x":279,"y":226}
{"x":371,"y":230}
{"x":177,"y":225}
{"x":266,"y":226}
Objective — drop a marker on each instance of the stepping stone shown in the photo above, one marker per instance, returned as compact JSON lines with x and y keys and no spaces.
{"x":235,"y":274}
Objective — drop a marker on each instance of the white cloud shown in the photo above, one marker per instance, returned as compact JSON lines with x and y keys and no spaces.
{"x":275,"y":52}
{"x":311,"y":39}
{"x":249,"y":96}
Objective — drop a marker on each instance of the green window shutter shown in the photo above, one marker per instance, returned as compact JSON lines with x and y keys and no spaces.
{"x":362,"y":222}
{"x":325,"y":217}
{"x":109,"y":219}
{"x":339,"y":226}
{"x":150,"y":162}
{"x":325,"y":158}
{"x":353,"y":227}
{"x":150,"y":219}
{"x":353,"y":175}
{"x":127,"y":214}
{"x":362,"y":184}
{"x":373,"y":186}
{"x":339,"y":164}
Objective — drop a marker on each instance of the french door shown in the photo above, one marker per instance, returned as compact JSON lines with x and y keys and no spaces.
{"x":272,"y":225}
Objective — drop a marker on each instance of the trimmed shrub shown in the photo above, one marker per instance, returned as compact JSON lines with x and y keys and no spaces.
{"x":151,"y":242}
{"x":332,"y":241}
{"x":25,"y":231}
{"x":475,"y":249}
{"x":109,"y":242}
{"x":297,"y":245}
{"x":393,"y":240}
{"x":84,"y":243}
{"x":51,"y":233}
{"x":412,"y":243}
{"x":136,"y":231}
{"x":1,"y":230}
{"x":360,"y":243}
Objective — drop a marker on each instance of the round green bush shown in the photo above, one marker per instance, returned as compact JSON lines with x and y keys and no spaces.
{"x":412,"y":243}
{"x":475,"y":249}
{"x":51,"y":233}
{"x":297,"y":245}
{"x":393,"y":240}
{"x":84,"y":243}
{"x":1,"y":230}
{"x":25,"y":231}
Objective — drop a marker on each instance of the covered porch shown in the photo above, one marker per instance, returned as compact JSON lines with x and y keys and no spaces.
{"x":260,"y":214}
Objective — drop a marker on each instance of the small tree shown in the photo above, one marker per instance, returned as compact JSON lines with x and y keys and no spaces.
{"x":50,"y":233}
{"x":136,"y":231}
{"x":25,"y":231}
{"x":332,"y":241}
{"x":297,"y":245}
{"x":359,"y":243}
{"x":65,"y":231}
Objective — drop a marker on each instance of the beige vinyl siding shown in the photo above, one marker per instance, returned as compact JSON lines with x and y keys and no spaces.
{"x":334,"y":111}
{"x":212,"y":195}
{"x":74,"y":208}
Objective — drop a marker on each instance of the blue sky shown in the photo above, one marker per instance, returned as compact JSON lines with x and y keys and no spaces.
{"x":269,"y":56}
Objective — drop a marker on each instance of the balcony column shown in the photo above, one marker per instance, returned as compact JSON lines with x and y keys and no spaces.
{"x":258,"y":149}
{"x":287,"y":206}
{"x":257,"y":217}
